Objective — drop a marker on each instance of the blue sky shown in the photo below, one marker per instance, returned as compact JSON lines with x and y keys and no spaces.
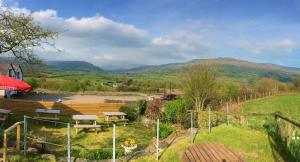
{"x":130,"y":33}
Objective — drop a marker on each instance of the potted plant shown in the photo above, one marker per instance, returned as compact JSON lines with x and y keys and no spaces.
{"x":129,"y":145}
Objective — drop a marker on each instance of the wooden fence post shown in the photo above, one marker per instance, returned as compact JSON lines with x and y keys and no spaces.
{"x":4,"y":146}
{"x":238,"y":100}
{"x":18,"y":137}
{"x":289,"y":132}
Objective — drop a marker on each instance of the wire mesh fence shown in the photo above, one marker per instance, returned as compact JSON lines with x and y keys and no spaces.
{"x":46,"y":136}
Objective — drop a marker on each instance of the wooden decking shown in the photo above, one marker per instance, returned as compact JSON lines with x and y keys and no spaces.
{"x":210,"y":152}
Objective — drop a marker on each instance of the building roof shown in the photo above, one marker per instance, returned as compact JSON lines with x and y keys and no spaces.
{"x":5,"y":67}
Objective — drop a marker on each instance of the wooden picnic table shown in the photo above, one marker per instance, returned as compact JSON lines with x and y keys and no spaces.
{"x":91,"y":118}
{"x":120,"y":116}
{"x":210,"y":152}
{"x":4,"y":115}
{"x":48,"y":114}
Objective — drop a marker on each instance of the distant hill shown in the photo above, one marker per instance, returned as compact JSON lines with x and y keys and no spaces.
{"x":72,"y":66}
{"x":228,"y":67}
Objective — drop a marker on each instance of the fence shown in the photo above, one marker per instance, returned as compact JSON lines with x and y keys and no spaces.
{"x":66,"y":108}
{"x":283,"y":132}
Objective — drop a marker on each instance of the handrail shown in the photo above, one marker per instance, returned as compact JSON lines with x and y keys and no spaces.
{"x":13,"y":127}
{"x":296,"y":123}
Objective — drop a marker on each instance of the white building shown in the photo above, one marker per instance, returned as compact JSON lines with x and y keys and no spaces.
{"x":10,"y":70}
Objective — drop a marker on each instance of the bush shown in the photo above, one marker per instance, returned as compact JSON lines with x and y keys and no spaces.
{"x":175,"y":111}
{"x":142,"y":106}
{"x":98,"y":154}
{"x":153,"y":110}
{"x":131,"y":111}
{"x":203,"y":119}
{"x":32,"y":82}
{"x":165,"y":130}
{"x":294,"y":148}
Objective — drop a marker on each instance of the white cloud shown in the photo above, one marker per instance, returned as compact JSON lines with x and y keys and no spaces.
{"x":111,"y":44}
{"x":278,"y":46}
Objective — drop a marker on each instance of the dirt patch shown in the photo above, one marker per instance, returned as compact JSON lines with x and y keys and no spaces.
{"x":81,"y":98}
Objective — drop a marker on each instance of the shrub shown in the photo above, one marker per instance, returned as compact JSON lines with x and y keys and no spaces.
{"x":98,"y":154}
{"x":165,"y":130}
{"x":294,"y":147}
{"x":153,"y":110}
{"x":175,"y":111}
{"x":142,"y":105}
{"x":203,"y":119}
{"x":131,"y":111}
{"x":32,"y":82}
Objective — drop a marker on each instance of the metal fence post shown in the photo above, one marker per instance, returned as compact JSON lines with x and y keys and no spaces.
{"x":25,"y":135}
{"x":69,"y":143}
{"x":209,"y":122}
{"x":114,"y":143}
{"x":227,"y":114}
{"x":192,"y":126}
{"x":157,"y":139}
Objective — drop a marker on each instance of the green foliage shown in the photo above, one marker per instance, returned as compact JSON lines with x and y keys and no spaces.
{"x":153,"y":110}
{"x":98,"y":154}
{"x":142,"y":106}
{"x":23,"y":34}
{"x":131,"y":110}
{"x":199,"y":84}
{"x":175,"y":111}
{"x":32,"y":82}
{"x":203,"y":119}
{"x":165,"y":130}
{"x":294,"y":147}
{"x":231,"y":90}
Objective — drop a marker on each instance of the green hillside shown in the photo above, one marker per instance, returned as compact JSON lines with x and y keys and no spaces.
{"x":288,"y":105}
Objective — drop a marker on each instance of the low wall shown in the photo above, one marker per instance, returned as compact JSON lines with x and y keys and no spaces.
{"x":67,"y":108}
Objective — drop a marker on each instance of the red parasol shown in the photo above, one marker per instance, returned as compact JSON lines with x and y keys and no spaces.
{"x":11,"y":84}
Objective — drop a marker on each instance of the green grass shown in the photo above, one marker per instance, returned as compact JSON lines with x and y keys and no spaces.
{"x":85,"y":141}
{"x":288,"y":105}
{"x":252,"y":145}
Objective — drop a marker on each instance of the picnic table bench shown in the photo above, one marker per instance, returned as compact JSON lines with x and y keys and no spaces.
{"x":47,"y":114}
{"x":91,"y":118}
{"x":4,"y":115}
{"x":120,"y":117}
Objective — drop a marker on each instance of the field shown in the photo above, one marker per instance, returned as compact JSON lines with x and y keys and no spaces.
{"x":288,"y":105}
{"x":254,"y":141}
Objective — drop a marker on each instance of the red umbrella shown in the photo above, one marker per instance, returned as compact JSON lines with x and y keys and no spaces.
{"x":11,"y":84}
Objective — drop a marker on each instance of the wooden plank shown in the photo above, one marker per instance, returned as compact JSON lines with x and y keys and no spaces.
{"x":214,"y":151}
{"x":208,"y":150}
{"x":203,"y":153}
{"x":191,"y":157}
{"x":193,"y":152}
{"x":223,"y":154}
{"x":184,"y":157}
{"x":87,"y":126}
{"x":227,"y":153}
{"x":237,"y":155}
{"x":199,"y":155}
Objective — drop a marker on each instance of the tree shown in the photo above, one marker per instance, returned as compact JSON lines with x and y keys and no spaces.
{"x":267,"y":85}
{"x":297,"y":82}
{"x":20,"y":34}
{"x":199,"y":84}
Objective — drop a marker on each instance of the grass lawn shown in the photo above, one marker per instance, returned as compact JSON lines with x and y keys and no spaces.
{"x":84,"y":141}
{"x":253,"y":145}
{"x":288,"y":105}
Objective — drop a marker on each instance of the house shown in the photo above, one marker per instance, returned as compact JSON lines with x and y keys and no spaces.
{"x":11,"y":70}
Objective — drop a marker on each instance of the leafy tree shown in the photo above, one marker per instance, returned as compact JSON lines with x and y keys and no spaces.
{"x":297,"y":82}
{"x":20,"y":34}
{"x":266,"y":85}
{"x":199,"y":84}
{"x":231,"y":90}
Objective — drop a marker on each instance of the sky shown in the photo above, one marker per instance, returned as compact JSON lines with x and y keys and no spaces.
{"x":118,"y":34}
